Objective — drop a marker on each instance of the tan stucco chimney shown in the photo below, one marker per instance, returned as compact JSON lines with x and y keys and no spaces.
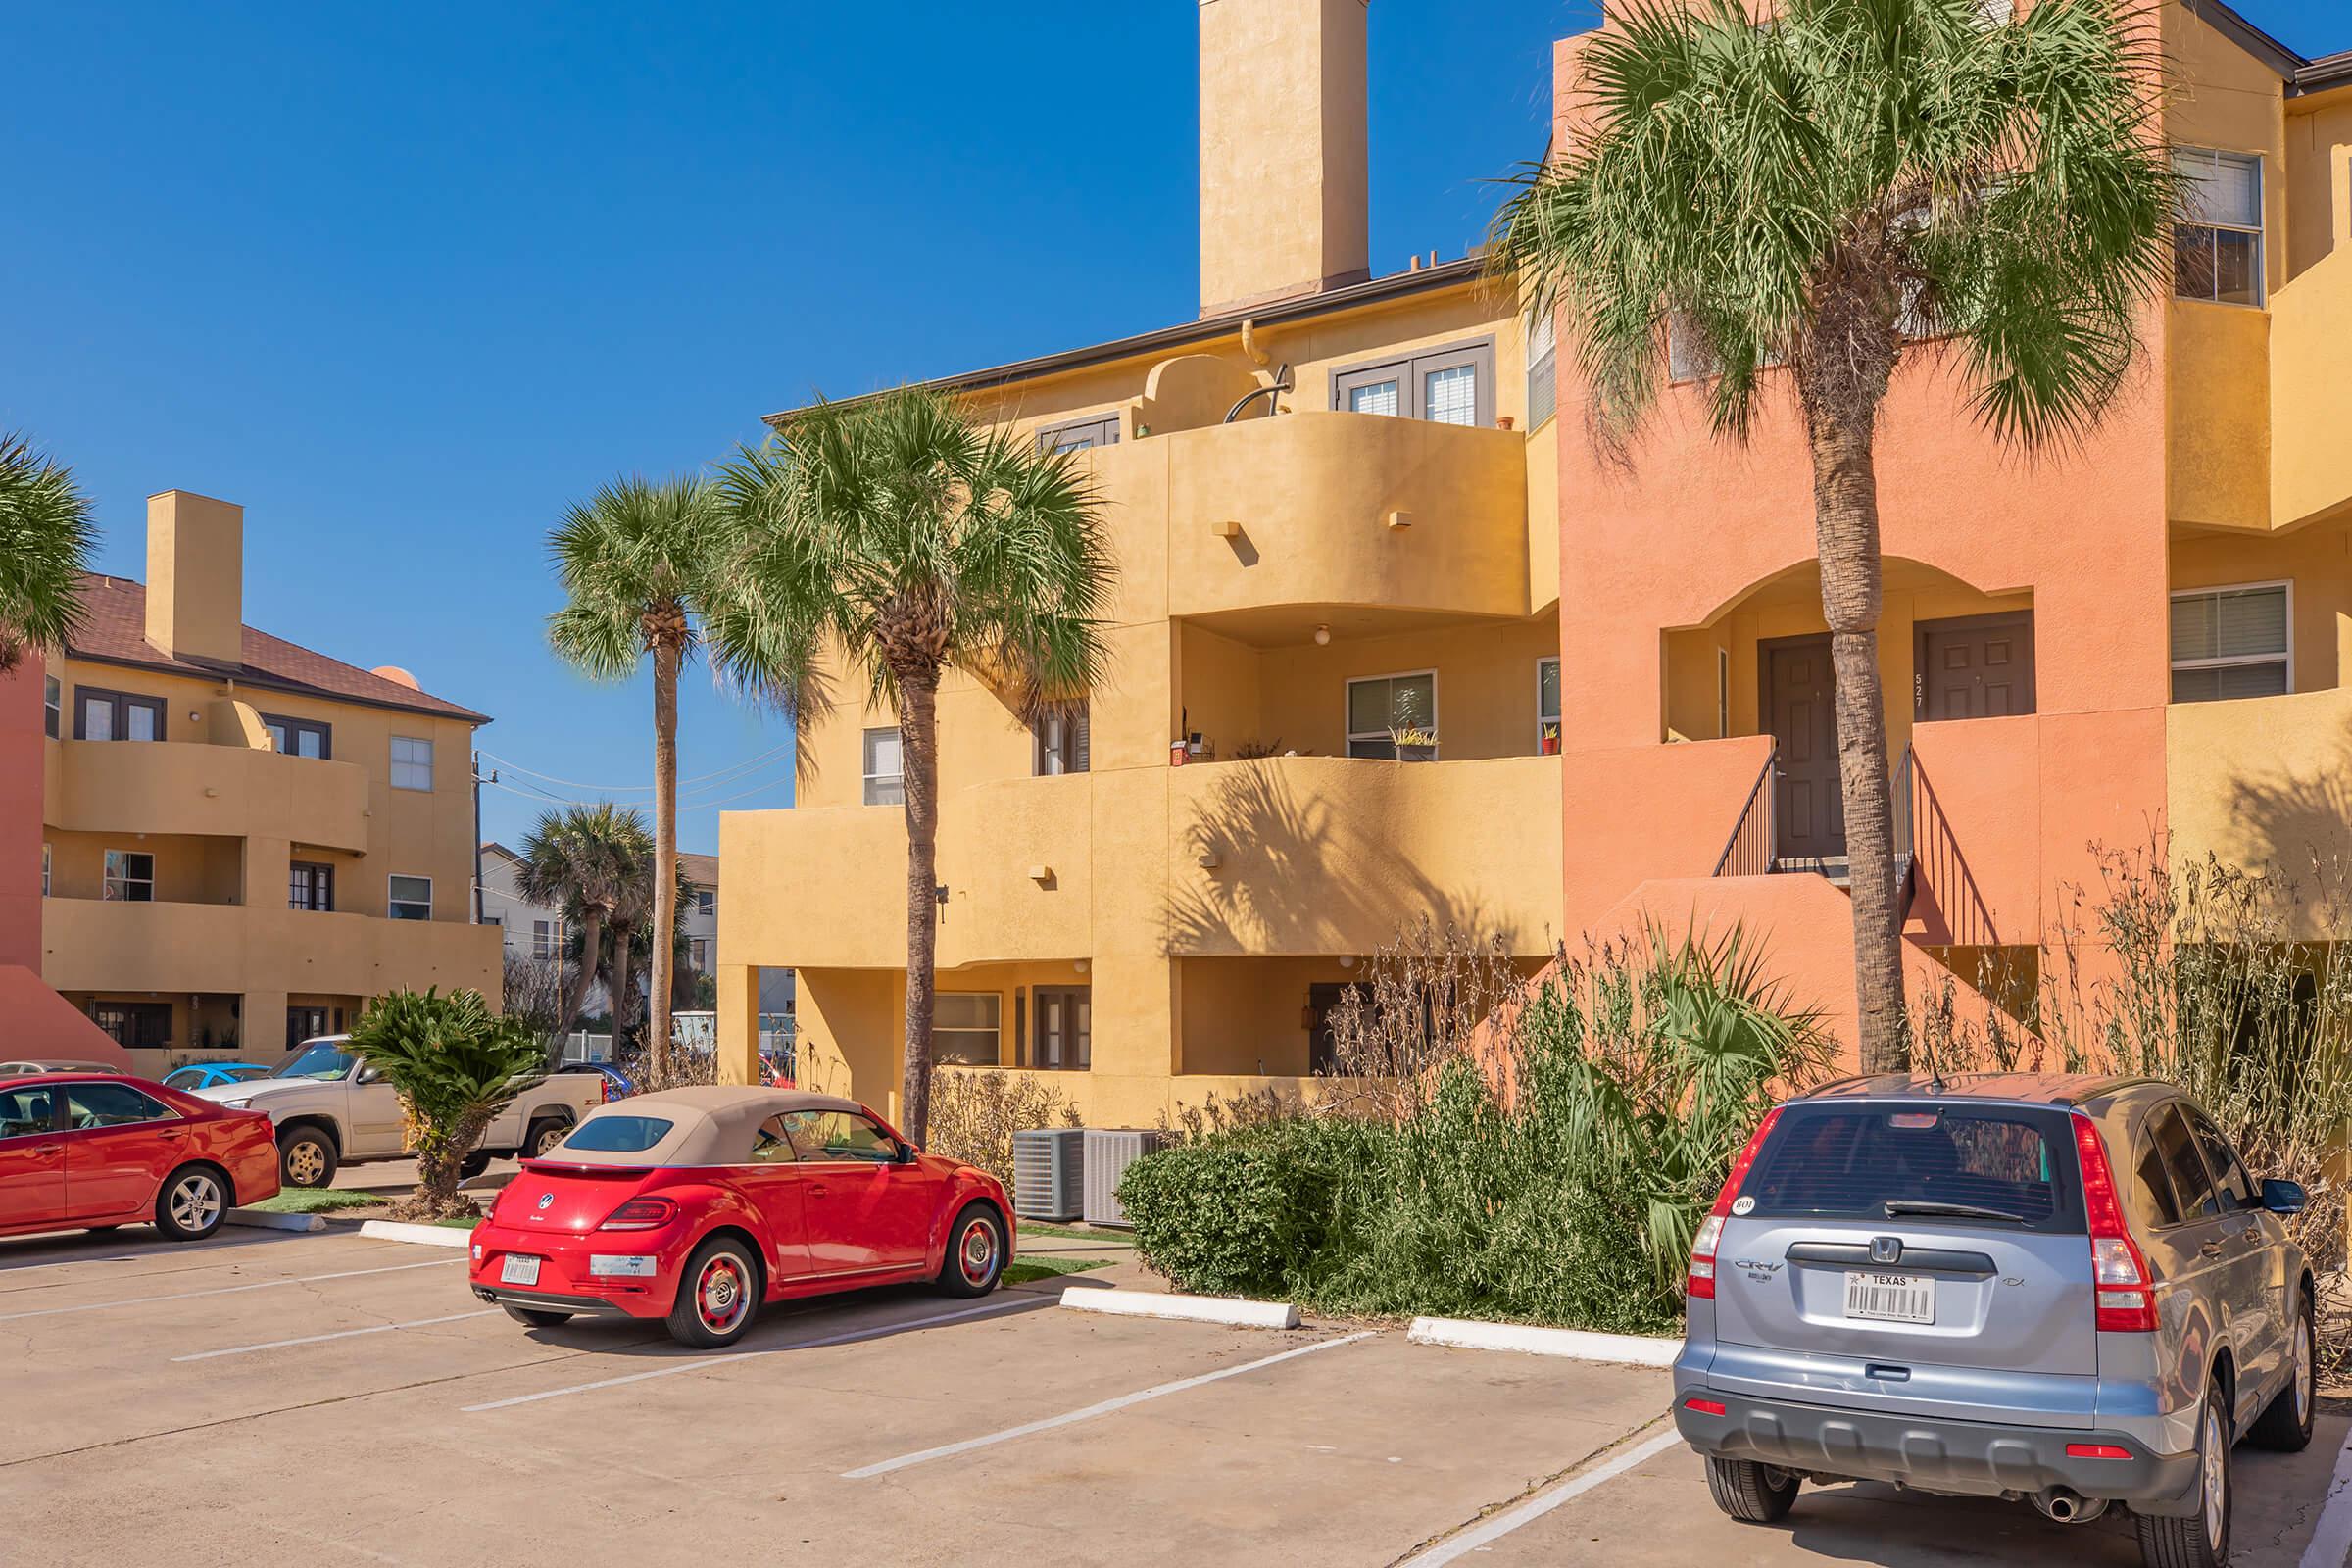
{"x":196,"y":576}
{"x":1284,"y":182}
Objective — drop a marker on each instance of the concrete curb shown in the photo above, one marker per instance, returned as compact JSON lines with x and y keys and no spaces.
{"x":1190,"y":1308}
{"x":263,"y":1219}
{"x":1624,"y":1350}
{"x":392,"y":1230}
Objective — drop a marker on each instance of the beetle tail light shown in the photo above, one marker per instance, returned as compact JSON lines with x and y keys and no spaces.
{"x":640,"y":1214}
{"x":1699,"y":1282}
{"x":2125,"y":1296}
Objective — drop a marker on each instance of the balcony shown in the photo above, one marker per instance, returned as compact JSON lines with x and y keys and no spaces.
{"x":1321,"y":508}
{"x":98,"y":944}
{"x":1307,"y":855}
{"x":184,"y":787}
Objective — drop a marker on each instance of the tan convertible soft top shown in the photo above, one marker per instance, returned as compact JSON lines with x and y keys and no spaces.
{"x":709,"y":1124}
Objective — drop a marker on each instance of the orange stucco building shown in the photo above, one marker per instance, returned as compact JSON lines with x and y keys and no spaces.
{"x":2149,"y":635}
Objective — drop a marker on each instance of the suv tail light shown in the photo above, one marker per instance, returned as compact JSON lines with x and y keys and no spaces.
{"x":1699,"y":1284}
{"x":604,"y":1089}
{"x":2118,"y":1273}
{"x":640,"y":1214}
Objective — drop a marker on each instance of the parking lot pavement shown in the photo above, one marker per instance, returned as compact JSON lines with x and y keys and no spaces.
{"x":325,"y":1398}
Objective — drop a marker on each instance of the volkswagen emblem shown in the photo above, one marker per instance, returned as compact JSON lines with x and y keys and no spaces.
{"x":1885,"y":1248}
{"x":548,"y":1200}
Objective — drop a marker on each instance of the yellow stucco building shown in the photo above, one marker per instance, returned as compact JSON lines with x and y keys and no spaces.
{"x":1289,"y":589}
{"x":243,"y":840}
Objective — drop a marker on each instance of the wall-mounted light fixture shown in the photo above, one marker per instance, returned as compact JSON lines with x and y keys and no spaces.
{"x":1347,"y":960}
{"x":1322,"y":636}
{"x":1082,"y":965}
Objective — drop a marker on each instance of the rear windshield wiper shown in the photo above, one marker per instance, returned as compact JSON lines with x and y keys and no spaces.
{"x":1928,"y":1205}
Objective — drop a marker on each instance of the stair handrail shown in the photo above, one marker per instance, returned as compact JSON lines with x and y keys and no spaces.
{"x":1755,"y":819}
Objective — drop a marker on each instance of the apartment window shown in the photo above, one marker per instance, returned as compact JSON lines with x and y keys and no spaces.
{"x":129,"y":877}
{"x":2232,"y":642}
{"x":1079,"y":434}
{"x":53,"y":702}
{"x":309,"y":1023}
{"x":2216,"y":243}
{"x":410,"y":898}
{"x":1453,"y":385}
{"x":1383,"y":704}
{"x":543,"y":939}
{"x":411,"y":764}
{"x":1547,"y":706}
{"x":307,"y":737}
{"x":698,"y":955}
{"x":134,"y":1025}
{"x":104,"y":715}
{"x":883,"y":784}
{"x":1542,"y":369}
{"x":311,"y":885}
{"x":44,"y":870}
{"x":706,"y":901}
{"x":1723,"y":692}
{"x":1063,"y":741}
{"x":1065,"y":1028}
{"x":965,"y":1028}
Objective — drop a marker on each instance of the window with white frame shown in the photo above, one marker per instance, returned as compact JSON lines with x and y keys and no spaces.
{"x":1078,"y":435}
{"x":52,"y":703}
{"x":698,"y":955}
{"x":1723,"y":692}
{"x":1542,"y":369}
{"x":543,"y":939}
{"x":2232,"y":642}
{"x":2217,"y":242}
{"x":1451,"y":385}
{"x":44,"y":870}
{"x":966,"y":1028}
{"x":1382,"y":707}
{"x":1064,"y":741}
{"x":884,"y":785}
{"x":1548,"y":708}
{"x":706,"y":901}
{"x":411,"y":764}
{"x":410,"y":898}
{"x":129,"y":877}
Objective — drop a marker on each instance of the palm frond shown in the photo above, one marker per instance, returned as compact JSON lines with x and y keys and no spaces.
{"x":47,"y":534}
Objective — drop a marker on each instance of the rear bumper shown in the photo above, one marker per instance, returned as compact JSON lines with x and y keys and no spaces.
{"x":549,"y":1301}
{"x":565,"y":1282}
{"x":1972,"y":1459}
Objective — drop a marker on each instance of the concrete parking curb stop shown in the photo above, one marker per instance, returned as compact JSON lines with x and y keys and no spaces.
{"x":1192,"y":1309}
{"x":263,"y":1219}
{"x":392,"y":1230}
{"x":1625,"y":1349}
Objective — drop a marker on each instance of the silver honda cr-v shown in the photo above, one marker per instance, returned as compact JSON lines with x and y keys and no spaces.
{"x":2066,"y":1289}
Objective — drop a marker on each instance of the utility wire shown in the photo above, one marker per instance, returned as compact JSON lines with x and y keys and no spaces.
{"x":642,"y":789}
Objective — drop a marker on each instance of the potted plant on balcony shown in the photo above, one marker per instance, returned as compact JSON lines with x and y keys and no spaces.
{"x":1415,"y":741}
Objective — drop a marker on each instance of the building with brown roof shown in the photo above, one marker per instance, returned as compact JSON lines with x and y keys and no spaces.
{"x":242,"y":839}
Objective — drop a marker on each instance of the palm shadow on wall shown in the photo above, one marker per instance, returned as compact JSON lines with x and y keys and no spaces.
{"x":1293,"y":875}
{"x":2296,"y":825}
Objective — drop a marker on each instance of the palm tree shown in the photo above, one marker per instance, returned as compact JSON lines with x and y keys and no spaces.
{"x":455,"y":1067}
{"x":911,"y":539}
{"x":581,"y":860}
{"x":46,"y":536}
{"x":654,"y":568}
{"x":1849,"y":187}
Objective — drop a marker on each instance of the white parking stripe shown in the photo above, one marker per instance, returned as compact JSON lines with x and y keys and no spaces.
{"x":1161,"y":1391}
{"x":1502,"y":1524}
{"x":704,"y":1363}
{"x":226,"y":1290}
{"x":2331,"y":1538}
{"x":345,"y":1334}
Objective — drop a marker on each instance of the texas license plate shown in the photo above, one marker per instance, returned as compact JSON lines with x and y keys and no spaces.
{"x":519,"y":1270}
{"x":1890,"y":1298}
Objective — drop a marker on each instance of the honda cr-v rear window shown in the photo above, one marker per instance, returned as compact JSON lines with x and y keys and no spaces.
{"x":1936,"y":1164}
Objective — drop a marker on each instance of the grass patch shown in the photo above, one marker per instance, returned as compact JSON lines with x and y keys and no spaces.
{"x":1026,"y":1269}
{"x":318,"y":1201}
{"x":1032,"y":1227}
{"x":460,"y":1222}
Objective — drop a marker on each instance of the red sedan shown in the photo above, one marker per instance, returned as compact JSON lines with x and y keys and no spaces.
{"x":696,"y":1205}
{"x":94,"y":1151}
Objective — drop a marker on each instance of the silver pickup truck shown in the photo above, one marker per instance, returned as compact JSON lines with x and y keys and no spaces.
{"x":330,"y":1110}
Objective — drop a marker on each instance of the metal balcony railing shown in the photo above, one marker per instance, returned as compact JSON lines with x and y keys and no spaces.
{"x":1749,"y":851}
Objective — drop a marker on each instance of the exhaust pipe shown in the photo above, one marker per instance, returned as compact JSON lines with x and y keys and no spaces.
{"x":2068,"y":1506}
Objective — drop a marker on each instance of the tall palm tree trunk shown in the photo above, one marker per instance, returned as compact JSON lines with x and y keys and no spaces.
{"x":620,"y":971}
{"x":666,"y":850}
{"x":919,"y":770}
{"x":1846,"y":520}
{"x":592,"y":939}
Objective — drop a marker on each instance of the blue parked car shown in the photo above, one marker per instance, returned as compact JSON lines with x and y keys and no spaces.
{"x":617,"y":1083}
{"x":212,"y":1074}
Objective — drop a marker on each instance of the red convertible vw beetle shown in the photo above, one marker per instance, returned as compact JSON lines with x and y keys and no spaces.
{"x":696,"y":1205}
{"x":91,"y":1151}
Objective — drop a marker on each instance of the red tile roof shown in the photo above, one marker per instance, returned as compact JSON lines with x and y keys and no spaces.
{"x":115,"y":632}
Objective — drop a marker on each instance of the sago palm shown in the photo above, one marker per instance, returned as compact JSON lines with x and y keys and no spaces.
{"x":654,"y":568}
{"x":580,"y":861}
{"x":1819,"y":201}
{"x":455,"y":1067}
{"x":46,"y":536}
{"x":912,"y":540}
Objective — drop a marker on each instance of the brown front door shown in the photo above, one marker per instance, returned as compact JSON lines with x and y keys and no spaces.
{"x":1801,"y":706}
{"x":1975,"y":666}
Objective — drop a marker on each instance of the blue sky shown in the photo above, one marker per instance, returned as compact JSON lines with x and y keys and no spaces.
{"x":404,"y":281}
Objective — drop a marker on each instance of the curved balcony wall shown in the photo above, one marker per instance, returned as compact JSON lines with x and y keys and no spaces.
{"x":222,"y":791}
